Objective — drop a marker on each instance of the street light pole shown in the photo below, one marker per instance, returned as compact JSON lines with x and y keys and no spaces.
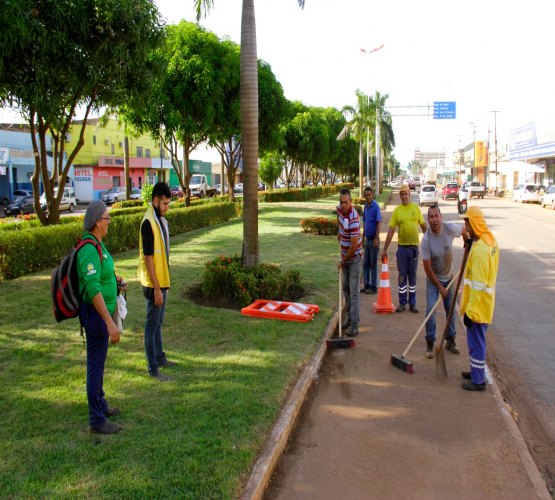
{"x":376,"y":140}
{"x":495,"y":111}
{"x":473,"y":168}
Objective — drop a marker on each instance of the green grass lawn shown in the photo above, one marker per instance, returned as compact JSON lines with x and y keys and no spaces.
{"x":193,"y":437}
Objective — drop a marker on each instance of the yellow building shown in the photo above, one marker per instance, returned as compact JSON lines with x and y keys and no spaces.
{"x":99,"y":165}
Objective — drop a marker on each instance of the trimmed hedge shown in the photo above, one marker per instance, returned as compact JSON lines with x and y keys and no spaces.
{"x":23,"y":252}
{"x":307,"y":193}
{"x":320,"y":225}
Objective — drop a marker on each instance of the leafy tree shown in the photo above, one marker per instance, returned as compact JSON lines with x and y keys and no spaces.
{"x":271,"y":166}
{"x":249,"y":125}
{"x":64,"y":56}
{"x":186,"y":102}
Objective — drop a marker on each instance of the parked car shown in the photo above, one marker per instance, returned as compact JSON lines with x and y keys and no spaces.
{"x":135,"y":194}
{"x":427,"y":195}
{"x":68,"y":201}
{"x":450,"y":191}
{"x":417,"y":181}
{"x":20,"y":205}
{"x":113,"y":195}
{"x":548,"y":198}
{"x":238,"y":188}
{"x":528,"y":193}
{"x":177,"y":192}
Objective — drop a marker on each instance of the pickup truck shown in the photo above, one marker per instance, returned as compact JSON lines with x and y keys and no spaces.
{"x":475,"y":189}
{"x":198,"y":186}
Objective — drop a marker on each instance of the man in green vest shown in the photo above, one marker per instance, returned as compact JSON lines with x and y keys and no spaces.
{"x":154,"y":275}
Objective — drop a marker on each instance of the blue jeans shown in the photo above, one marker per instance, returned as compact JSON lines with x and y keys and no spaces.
{"x":155,"y":355}
{"x":432,"y":294}
{"x":370,"y":266}
{"x":97,"y":351}
{"x":351,"y":290}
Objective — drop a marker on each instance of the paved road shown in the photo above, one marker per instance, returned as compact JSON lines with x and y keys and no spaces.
{"x":522,"y":350}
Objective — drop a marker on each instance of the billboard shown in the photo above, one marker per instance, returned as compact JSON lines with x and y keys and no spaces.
{"x":533,"y":140}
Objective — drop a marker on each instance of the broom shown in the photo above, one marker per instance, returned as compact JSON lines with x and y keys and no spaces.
{"x":339,"y":342}
{"x":402,"y":362}
{"x":441,"y":368}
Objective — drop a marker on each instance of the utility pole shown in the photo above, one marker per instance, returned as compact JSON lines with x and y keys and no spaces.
{"x":473,"y":168}
{"x":495,"y":111}
{"x":460,"y":159}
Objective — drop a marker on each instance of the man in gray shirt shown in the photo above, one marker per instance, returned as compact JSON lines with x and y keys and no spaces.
{"x":437,"y":256}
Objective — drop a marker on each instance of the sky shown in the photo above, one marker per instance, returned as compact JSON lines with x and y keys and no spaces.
{"x":484,"y":55}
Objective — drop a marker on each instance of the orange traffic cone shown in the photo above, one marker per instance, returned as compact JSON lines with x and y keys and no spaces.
{"x":384,"y":304}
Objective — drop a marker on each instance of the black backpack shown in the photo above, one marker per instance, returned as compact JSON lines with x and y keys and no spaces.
{"x":64,"y":283}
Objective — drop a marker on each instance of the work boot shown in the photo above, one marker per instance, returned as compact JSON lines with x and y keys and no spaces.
{"x":368,"y":291}
{"x":451,"y":346}
{"x":346,"y":325}
{"x":364,"y":288}
{"x":466,"y":375}
{"x":160,"y":376}
{"x":430,"y":349}
{"x":112,"y":412}
{"x":400,"y":308}
{"x":413,"y":309}
{"x":471,"y":386}
{"x":352,"y":333}
{"x":106,"y":428}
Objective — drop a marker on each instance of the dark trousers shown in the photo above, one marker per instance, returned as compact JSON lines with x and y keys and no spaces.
{"x":370,"y":265}
{"x":97,"y":350}
{"x":407,"y":265}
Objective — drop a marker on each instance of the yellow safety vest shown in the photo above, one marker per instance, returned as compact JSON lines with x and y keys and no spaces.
{"x":478,"y":296}
{"x":160,"y":257}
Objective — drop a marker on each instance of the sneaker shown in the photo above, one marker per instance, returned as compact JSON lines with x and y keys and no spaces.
{"x":112,"y":412}
{"x":451,"y":346}
{"x":106,"y":428}
{"x":400,"y":308}
{"x":430,"y":349}
{"x":160,"y":376}
{"x":466,"y":375}
{"x":352,"y":333}
{"x":471,"y":386}
{"x":413,"y":309}
{"x":167,"y":362}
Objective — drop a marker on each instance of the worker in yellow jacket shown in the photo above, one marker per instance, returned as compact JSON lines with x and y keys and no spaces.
{"x":154,"y":275}
{"x":478,"y":296}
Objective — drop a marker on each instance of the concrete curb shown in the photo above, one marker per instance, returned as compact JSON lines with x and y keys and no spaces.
{"x":268,"y":459}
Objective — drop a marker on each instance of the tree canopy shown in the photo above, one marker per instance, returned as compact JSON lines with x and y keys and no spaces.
{"x":64,"y":57}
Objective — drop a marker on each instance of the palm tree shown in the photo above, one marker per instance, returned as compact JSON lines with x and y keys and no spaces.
{"x":249,"y":124}
{"x":383,"y":118}
{"x":360,"y":122}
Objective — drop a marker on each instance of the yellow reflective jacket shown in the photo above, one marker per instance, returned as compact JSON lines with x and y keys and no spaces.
{"x":160,"y":257}
{"x":478,"y":296}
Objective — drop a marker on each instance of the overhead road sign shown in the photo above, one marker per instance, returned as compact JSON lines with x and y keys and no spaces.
{"x":445,"y":110}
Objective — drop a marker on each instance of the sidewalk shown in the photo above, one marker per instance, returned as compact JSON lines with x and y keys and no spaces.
{"x":368,"y":430}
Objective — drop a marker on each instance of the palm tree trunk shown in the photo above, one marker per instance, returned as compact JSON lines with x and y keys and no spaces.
{"x":249,"y":132}
{"x":361,"y":168}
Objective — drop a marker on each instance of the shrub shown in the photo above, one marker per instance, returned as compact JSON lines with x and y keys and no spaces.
{"x":320,"y":225}
{"x":307,"y":193}
{"x":129,"y":204}
{"x":22,"y":252}
{"x":225,"y":276}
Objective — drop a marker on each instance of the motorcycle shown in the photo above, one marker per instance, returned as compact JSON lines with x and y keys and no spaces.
{"x":462,"y":206}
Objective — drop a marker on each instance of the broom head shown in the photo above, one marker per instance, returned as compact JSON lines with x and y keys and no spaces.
{"x":441,"y":368}
{"x":340,"y":343}
{"x":402,"y":363}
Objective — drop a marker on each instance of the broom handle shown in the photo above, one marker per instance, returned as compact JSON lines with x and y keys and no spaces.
{"x":340,"y":306}
{"x":452,"y":308}
{"x":440,"y":298}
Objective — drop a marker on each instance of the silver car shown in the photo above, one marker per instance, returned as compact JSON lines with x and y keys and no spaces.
{"x":427,"y":195}
{"x":548,"y":198}
{"x":527,"y":193}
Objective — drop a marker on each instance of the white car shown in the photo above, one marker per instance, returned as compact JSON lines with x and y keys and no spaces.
{"x":529,"y":193}
{"x":135,"y":194}
{"x":427,"y":195}
{"x":548,"y":198}
{"x":113,"y":195}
